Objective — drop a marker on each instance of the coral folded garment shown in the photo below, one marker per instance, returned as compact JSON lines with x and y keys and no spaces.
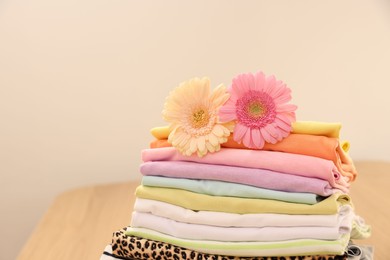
{"x":238,"y":234}
{"x":132,"y":247}
{"x":299,"y":127}
{"x":223,"y":219}
{"x":311,"y":145}
{"x":196,"y":201}
{"x":220,"y":188}
{"x":250,"y":176}
{"x":277,"y":248}
{"x":301,"y":165}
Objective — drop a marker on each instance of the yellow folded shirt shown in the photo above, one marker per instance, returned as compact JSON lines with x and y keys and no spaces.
{"x":197,"y":201}
{"x":300,"y":127}
{"x":317,"y":128}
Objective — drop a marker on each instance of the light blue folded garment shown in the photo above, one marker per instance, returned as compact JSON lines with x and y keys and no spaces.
{"x":228,"y":189}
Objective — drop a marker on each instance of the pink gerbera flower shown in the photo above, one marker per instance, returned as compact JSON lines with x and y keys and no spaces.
{"x":258,"y":105}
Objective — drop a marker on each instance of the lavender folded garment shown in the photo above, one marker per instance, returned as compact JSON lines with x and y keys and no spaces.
{"x":294,"y":164}
{"x":255,"y":177}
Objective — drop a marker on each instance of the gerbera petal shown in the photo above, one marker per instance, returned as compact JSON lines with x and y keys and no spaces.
{"x":259,"y":81}
{"x":193,"y":145}
{"x":201,"y":143}
{"x":285,"y":118}
{"x":283,"y":97}
{"x":247,"y":139}
{"x":218,"y":130}
{"x":257,"y":138}
{"x":284,"y":133}
{"x":239,"y":87}
{"x":210,"y":147}
{"x":282,"y":124}
{"x":239,"y":132}
{"x":281,"y":93}
{"x":267,"y":133}
{"x":213,"y":139}
{"x":250,"y":80}
{"x":171,"y":134}
{"x":227,"y":113}
{"x":203,"y":89}
{"x":219,"y":96}
{"x":269,"y":83}
{"x":286,"y":108}
{"x":178,"y":138}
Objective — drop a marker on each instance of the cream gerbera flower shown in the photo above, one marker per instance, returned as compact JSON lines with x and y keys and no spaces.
{"x":192,"y":111}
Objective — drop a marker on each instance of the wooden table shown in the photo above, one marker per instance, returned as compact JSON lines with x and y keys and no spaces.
{"x":80,"y":222}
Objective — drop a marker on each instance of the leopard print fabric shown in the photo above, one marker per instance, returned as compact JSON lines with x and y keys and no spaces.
{"x":132,"y":247}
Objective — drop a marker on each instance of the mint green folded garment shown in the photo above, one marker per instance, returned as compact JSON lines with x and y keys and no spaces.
{"x":228,"y":189}
{"x":197,"y":201}
{"x":280,"y":248}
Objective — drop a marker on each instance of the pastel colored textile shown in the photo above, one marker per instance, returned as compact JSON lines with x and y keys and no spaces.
{"x":312,"y":145}
{"x":294,"y":164}
{"x":132,"y":247}
{"x":277,"y":248}
{"x":224,"y":219}
{"x":250,"y":176}
{"x":196,"y":201}
{"x":238,"y":234}
{"x":299,"y":127}
{"x":360,"y":230}
{"x":219,"y":188}
{"x":317,"y":128}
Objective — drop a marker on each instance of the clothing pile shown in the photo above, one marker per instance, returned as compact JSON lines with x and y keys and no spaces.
{"x":288,"y":200}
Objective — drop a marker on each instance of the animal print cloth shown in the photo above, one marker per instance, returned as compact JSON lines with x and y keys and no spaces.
{"x":131,"y":247}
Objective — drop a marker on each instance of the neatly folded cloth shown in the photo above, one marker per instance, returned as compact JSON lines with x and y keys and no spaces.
{"x":220,"y":188}
{"x":239,"y":234}
{"x":301,"y":165}
{"x":277,"y":248}
{"x":360,"y":252}
{"x":316,"y":128}
{"x":223,"y":219}
{"x":299,"y":127}
{"x":360,"y":230}
{"x":132,"y":246}
{"x":196,"y":201}
{"x":250,"y":176}
{"x":312,"y":145}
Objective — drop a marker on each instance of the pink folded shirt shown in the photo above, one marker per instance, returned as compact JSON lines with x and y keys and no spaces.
{"x":255,"y":177}
{"x":295,"y":164}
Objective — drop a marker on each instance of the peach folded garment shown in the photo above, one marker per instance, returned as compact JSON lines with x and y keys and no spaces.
{"x":299,"y":127}
{"x":294,"y":164}
{"x":318,"y":146}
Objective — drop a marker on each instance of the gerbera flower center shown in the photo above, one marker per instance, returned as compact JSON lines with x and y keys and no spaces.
{"x":255,"y":109}
{"x":200,"y":118}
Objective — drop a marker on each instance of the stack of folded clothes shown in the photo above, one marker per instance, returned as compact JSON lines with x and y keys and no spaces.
{"x":234,"y":176}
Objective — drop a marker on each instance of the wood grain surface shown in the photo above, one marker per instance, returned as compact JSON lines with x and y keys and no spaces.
{"x":79,"y":223}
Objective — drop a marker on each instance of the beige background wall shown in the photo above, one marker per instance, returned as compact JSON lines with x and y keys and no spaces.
{"x":82,"y":82}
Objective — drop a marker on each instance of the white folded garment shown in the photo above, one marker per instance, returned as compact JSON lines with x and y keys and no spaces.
{"x":223,"y":219}
{"x":239,"y":234}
